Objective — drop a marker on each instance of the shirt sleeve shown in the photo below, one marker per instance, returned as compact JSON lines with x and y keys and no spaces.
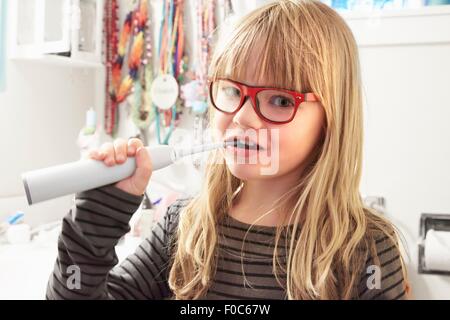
{"x":86,"y":265}
{"x":383,"y":275}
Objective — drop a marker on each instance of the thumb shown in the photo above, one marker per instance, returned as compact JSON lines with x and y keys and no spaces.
{"x":143,"y":166}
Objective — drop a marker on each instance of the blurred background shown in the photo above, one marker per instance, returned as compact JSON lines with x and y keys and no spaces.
{"x":77,"y":73}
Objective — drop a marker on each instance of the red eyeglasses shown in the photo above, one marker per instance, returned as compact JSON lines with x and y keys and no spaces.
{"x":273,"y":105}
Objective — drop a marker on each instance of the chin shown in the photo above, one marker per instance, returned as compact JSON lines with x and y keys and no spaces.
{"x":249,"y":171}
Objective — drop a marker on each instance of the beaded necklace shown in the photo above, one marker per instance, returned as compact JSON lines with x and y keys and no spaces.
{"x":118,"y":88}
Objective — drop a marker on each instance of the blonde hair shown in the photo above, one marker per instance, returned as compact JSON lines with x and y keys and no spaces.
{"x":307,"y":47}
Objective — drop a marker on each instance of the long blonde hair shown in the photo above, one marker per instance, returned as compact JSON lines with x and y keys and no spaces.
{"x":306,"y":46}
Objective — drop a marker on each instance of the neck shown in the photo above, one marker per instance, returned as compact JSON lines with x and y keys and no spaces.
{"x":259,"y":196}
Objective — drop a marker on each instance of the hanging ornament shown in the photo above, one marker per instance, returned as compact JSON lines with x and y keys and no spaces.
{"x":164,"y":91}
{"x":194,"y":94}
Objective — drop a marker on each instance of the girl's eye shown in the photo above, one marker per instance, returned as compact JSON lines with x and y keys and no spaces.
{"x":231,"y":91}
{"x":281,"y":101}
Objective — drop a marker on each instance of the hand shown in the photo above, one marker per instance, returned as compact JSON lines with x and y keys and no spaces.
{"x":117,"y":152}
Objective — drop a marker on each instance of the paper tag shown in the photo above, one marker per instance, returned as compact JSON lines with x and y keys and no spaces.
{"x":164,"y":91}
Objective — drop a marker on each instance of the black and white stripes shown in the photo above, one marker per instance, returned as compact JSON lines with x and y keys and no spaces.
{"x":388,"y":263}
{"x":100,"y":217}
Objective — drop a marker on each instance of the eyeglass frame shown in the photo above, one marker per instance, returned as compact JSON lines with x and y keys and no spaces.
{"x":251,"y":92}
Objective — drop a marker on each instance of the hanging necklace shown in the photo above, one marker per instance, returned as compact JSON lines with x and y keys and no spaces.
{"x":228,"y":8}
{"x":195,"y":92}
{"x":206,"y":19}
{"x":110,"y":50}
{"x":141,"y":106}
{"x":121,"y":88}
{"x":170,"y":50}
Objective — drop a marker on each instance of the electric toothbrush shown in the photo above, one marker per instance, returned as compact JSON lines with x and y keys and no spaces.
{"x":86,"y":174}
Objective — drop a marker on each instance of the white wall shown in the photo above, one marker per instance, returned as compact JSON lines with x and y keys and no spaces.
{"x":407,"y":112}
{"x":407,"y":151}
{"x":41,"y":112}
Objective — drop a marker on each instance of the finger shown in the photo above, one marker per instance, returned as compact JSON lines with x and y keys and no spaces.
{"x":133,"y":145}
{"x":97,"y":154}
{"x":120,"y":150}
{"x":93,"y":154}
{"x":101,"y":155}
{"x":143,"y":166}
{"x":108,"y":150}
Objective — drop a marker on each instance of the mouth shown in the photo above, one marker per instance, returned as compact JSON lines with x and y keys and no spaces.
{"x":243,"y":143}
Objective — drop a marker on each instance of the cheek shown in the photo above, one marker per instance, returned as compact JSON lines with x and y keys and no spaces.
{"x":220,"y":123}
{"x":299,"y":138}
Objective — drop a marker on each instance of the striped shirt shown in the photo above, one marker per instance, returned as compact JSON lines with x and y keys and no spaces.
{"x":99,"y":218}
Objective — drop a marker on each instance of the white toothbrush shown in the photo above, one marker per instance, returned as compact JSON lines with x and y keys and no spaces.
{"x":53,"y":182}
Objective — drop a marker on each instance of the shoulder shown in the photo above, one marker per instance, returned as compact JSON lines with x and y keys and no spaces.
{"x":383,"y":275}
{"x":173,"y":212}
{"x":164,"y":228}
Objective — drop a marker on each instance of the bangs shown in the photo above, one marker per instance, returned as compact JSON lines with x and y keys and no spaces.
{"x":263,"y":48}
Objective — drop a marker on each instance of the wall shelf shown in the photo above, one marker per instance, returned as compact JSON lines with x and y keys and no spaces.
{"x":44,"y":30}
{"x":61,"y":61}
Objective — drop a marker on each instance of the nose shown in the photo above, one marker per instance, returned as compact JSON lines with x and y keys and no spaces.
{"x":247,"y":116}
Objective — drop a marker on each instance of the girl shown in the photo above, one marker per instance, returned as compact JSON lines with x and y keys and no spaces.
{"x":299,"y":231}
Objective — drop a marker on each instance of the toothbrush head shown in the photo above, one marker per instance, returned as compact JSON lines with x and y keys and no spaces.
{"x":179,"y":153}
{"x":229,"y":143}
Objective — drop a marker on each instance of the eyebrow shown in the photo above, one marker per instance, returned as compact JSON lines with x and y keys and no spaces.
{"x":261,"y":85}
{"x":251,"y":84}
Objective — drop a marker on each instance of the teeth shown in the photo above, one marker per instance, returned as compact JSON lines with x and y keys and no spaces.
{"x":252,"y":144}
{"x":243,"y":144}
{"x":239,"y":143}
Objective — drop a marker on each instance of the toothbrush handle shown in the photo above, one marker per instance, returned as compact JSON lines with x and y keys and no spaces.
{"x":69,"y":178}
